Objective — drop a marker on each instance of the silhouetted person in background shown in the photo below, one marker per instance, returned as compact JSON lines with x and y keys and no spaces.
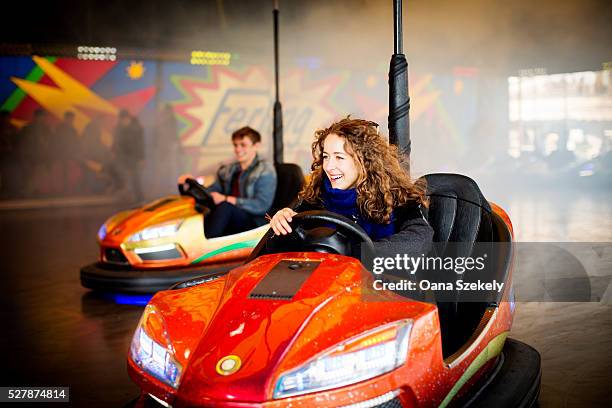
{"x":8,"y":160}
{"x":97,"y":158}
{"x":560,"y":158}
{"x":67,"y":136}
{"x":33,"y":152}
{"x":167,"y":154}
{"x":67,"y":144}
{"x":128,"y":147}
{"x":8,"y":133}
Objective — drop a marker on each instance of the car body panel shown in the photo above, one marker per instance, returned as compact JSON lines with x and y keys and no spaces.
{"x":271,"y":336}
{"x":192,"y":248}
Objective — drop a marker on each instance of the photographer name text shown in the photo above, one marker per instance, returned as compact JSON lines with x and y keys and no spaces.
{"x":459,"y":285}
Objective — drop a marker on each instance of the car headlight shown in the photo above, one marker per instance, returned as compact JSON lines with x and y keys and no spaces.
{"x":157,"y":231}
{"x":152,"y":350}
{"x":102,"y":232}
{"x":363,"y":357}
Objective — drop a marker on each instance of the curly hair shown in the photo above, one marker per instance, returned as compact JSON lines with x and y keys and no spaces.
{"x":382,"y":184}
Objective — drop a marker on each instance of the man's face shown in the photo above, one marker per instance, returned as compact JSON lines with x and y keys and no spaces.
{"x":245,"y":150}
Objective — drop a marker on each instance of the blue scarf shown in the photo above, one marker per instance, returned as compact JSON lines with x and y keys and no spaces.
{"x":344,"y":202}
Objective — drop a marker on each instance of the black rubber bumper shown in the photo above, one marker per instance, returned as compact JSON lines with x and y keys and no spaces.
{"x":104,"y":277}
{"x":516,"y":383}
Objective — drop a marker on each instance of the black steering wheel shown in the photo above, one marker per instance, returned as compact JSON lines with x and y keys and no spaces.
{"x":317,"y":231}
{"x":192,"y":188}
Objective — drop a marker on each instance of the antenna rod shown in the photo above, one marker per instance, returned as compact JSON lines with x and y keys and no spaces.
{"x":277,"y":132}
{"x":397,"y":27}
{"x":399,"y":101}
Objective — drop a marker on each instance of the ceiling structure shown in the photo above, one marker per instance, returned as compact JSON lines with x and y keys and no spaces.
{"x":560,"y":36}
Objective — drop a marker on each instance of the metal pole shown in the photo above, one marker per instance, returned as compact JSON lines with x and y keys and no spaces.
{"x":399,"y":101}
{"x":397,"y":27}
{"x":277,"y":132}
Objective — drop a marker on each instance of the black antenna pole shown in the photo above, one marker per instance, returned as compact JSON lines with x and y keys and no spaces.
{"x":399,"y":101}
{"x":277,"y":132}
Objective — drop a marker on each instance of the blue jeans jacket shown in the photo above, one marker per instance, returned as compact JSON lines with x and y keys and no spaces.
{"x":257,"y":186}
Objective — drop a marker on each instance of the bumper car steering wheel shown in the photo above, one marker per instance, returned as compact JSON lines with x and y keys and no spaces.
{"x":194,"y":189}
{"x":317,"y":231}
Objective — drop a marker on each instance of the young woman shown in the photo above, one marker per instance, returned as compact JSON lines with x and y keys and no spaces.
{"x":356,"y":173}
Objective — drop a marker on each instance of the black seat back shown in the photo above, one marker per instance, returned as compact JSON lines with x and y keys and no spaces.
{"x":290,"y":180}
{"x":459,"y":214}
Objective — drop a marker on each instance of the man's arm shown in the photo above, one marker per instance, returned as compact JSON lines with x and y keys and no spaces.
{"x":265,"y":188}
{"x":214,"y":187}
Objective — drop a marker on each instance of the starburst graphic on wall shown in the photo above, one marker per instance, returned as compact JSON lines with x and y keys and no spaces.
{"x":422,"y":98}
{"x":224,"y":100}
{"x":203,"y":98}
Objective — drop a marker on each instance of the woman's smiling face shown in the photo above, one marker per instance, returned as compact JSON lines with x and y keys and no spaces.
{"x":341,"y":168}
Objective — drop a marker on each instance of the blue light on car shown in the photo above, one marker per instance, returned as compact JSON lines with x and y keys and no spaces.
{"x":102,"y":232}
{"x":154,"y":358}
{"x":136,"y":300}
{"x":152,"y":351}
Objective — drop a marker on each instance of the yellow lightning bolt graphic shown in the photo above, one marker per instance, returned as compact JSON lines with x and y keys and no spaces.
{"x":69,"y":95}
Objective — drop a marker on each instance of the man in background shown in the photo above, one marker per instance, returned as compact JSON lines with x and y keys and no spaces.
{"x":128,"y":148}
{"x":243,"y":190}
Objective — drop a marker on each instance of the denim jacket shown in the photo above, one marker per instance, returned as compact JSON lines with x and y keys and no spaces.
{"x":257,"y":186}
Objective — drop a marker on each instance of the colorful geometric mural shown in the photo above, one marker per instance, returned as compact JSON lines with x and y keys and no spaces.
{"x":88,"y":89}
{"x":210,"y":102}
{"x":62,"y":84}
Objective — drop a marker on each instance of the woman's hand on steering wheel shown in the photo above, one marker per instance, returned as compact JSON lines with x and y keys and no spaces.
{"x":280,"y":221}
{"x":340,"y":235}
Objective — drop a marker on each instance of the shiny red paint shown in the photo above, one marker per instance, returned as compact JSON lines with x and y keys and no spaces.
{"x":217,"y":319}
{"x":504,"y":216}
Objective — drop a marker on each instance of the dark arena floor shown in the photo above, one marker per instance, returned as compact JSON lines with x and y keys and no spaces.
{"x":57,"y":333}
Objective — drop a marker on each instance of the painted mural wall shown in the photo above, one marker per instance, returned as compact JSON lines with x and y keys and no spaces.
{"x":188,"y":112}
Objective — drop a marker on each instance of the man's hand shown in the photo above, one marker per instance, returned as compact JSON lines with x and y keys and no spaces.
{"x":218,"y":198}
{"x":280,"y":221}
{"x":183,"y":178}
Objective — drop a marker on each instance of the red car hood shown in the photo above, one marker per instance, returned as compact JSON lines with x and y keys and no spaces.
{"x":267,"y":330}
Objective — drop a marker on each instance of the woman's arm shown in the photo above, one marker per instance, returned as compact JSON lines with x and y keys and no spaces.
{"x":280,"y":221}
{"x":414,"y":235}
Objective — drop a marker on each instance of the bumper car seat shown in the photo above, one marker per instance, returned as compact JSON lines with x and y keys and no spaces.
{"x":459,"y":214}
{"x":290,"y":180}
